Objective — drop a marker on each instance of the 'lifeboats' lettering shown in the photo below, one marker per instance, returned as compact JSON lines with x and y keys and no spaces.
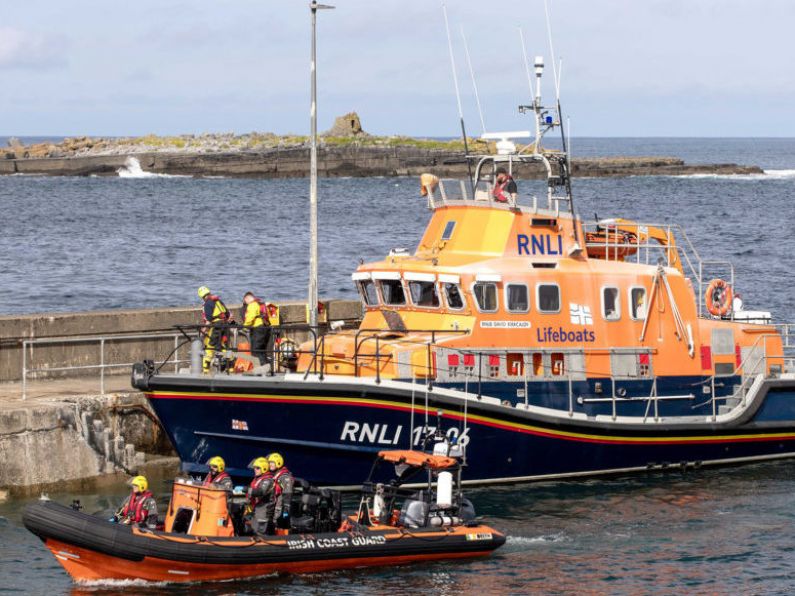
{"x":561,"y":335}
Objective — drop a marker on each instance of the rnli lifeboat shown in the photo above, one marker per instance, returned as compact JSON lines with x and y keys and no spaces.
{"x":393,"y":525}
{"x":560,"y":347}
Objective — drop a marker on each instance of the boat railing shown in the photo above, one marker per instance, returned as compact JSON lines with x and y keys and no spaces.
{"x":376,"y":336}
{"x":453,"y":191}
{"x":758,"y":364}
{"x":620,"y":240}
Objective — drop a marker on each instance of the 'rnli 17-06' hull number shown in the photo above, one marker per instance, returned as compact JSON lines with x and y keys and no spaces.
{"x":385,"y":434}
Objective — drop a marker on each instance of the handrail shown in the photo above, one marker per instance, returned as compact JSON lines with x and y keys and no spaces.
{"x":102,"y":366}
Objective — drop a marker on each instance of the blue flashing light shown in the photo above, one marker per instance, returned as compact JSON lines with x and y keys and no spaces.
{"x":548,"y":119}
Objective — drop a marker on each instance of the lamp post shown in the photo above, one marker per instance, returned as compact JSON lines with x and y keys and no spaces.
{"x":313,"y":7}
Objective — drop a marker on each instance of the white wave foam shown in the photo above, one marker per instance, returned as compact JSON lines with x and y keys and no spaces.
{"x":766,"y":175}
{"x":535,"y":539}
{"x":131,"y":583}
{"x":121,"y":583}
{"x":780,"y":173}
{"x":132,"y":169}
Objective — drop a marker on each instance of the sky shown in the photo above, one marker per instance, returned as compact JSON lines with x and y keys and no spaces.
{"x":629,"y":67}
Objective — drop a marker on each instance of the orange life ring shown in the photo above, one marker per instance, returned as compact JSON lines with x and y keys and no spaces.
{"x":718,"y":297}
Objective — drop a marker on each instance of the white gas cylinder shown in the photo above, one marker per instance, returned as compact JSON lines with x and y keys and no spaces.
{"x":444,"y":490}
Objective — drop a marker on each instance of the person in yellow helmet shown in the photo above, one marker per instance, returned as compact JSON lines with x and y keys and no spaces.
{"x":282,"y":491}
{"x":217,"y":476}
{"x":215,"y":315}
{"x":140,"y":507}
{"x":255,"y":319}
{"x":260,"y":493}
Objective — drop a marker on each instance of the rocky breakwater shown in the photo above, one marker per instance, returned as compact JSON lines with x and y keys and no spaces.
{"x":345,"y":150}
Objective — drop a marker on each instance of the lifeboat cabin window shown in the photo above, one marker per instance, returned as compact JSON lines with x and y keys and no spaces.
{"x":455,"y":301}
{"x":637,"y":301}
{"x":611,"y":304}
{"x":548,"y":298}
{"x":486,"y":296}
{"x":423,"y":293}
{"x":392,"y":292}
{"x":367,"y":290}
{"x":516,"y":298}
{"x":448,"y":230}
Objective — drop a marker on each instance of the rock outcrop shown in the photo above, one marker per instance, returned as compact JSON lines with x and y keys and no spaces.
{"x":349,"y":125}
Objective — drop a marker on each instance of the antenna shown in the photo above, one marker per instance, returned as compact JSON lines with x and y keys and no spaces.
{"x":552,"y":51}
{"x":526,"y":63}
{"x":474,"y":83}
{"x":457,"y":94}
{"x":564,"y":164}
{"x":568,"y":134}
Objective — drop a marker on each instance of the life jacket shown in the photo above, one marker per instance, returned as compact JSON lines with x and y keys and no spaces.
{"x":134,"y":509}
{"x":220,"y":312}
{"x":499,"y":190}
{"x":277,"y":489}
{"x":255,"y":483}
{"x":264,"y":311}
{"x":209,"y":480}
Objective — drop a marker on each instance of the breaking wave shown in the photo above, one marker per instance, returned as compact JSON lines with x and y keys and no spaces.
{"x":132,"y":169}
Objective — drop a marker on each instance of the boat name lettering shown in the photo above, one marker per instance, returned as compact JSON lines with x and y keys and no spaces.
{"x":364,"y":432}
{"x":368,"y":540}
{"x":300,"y":544}
{"x":483,"y":536}
{"x":335,"y":542}
{"x":505,"y":324}
{"x":538,"y":244}
{"x":560,"y":335}
{"x":453,"y":435}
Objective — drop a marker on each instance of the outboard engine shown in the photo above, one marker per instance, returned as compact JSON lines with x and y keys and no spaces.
{"x":414,"y":511}
{"x":314,"y":509}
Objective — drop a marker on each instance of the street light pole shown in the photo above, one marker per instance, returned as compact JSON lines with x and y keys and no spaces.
{"x":313,"y":7}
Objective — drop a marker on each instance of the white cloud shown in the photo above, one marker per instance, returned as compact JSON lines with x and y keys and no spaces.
{"x":28,"y":50}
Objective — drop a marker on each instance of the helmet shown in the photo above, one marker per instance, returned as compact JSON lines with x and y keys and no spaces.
{"x":218,"y":462}
{"x":203,"y":291}
{"x":276,"y":459}
{"x":260,"y":462}
{"x":139,"y":482}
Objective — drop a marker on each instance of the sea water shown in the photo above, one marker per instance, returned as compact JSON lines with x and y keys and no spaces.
{"x":137,"y":240}
{"x":72,"y":244}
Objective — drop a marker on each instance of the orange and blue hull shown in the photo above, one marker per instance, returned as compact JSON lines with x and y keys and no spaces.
{"x":329,"y":430}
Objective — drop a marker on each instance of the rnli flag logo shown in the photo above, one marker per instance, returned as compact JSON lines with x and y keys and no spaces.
{"x":580,"y":314}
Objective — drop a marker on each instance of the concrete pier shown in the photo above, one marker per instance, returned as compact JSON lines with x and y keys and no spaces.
{"x":60,"y":437}
{"x":68,"y":431}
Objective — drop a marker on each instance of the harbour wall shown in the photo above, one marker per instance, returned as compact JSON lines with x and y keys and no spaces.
{"x":67,"y":435}
{"x":348,"y":160}
{"x":72,"y":442}
{"x":67,"y":340}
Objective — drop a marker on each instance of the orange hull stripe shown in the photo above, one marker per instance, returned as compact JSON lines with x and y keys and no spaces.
{"x":86,"y":565}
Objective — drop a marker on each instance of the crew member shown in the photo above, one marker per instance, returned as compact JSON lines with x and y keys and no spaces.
{"x":255,"y":319}
{"x":215,"y":316}
{"x":504,"y":187}
{"x":140,"y":507}
{"x":282,"y":491}
{"x":217,"y":477}
{"x":260,"y":493}
{"x":737,"y":303}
